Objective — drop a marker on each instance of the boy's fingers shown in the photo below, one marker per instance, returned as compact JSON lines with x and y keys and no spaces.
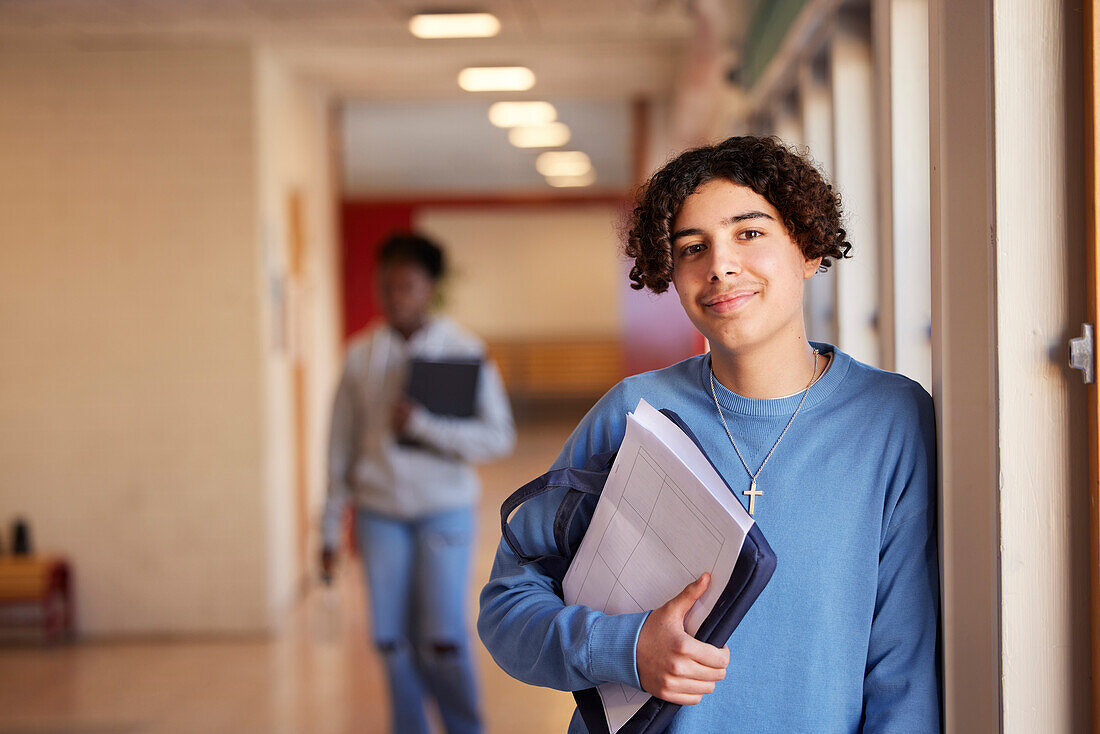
{"x":683,"y":699}
{"x":682,"y":602}
{"x":698,"y":672}
{"x":708,"y":655}
{"x":692,"y":687}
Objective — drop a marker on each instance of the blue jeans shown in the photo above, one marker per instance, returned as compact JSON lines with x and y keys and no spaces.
{"x":417,"y":576}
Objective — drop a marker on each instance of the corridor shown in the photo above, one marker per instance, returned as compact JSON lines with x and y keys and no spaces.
{"x":321,"y":677}
{"x":194,"y":195}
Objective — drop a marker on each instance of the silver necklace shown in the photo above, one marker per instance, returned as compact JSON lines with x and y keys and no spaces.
{"x":752,"y":491}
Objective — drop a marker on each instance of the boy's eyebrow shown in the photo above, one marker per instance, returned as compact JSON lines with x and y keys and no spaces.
{"x":684,"y":233}
{"x":747,"y":215}
{"x":688,"y":231}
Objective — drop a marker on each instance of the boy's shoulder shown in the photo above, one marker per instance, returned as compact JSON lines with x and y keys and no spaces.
{"x":886,"y":388}
{"x":455,"y":337}
{"x":359,"y":343}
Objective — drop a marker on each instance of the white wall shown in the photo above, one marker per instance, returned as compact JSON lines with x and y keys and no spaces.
{"x":907,"y":294}
{"x":531,"y":272}
{"x":1007,"y":221}
{"x":816,"y":101}
{"x":130,"y":412}
{"x":857,"y":280}
{"x":1044,"y":505}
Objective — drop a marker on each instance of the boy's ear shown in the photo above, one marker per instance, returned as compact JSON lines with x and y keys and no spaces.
{"x":809,"y":267}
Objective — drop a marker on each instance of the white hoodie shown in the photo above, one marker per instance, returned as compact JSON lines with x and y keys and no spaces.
{"x":367,"y":465}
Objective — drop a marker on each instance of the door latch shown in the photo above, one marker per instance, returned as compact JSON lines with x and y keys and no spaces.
{"x":1082,"y":353}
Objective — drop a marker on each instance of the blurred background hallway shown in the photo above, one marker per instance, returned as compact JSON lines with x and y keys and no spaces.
{"x":321,"y":675}
{"x":191,"y":195}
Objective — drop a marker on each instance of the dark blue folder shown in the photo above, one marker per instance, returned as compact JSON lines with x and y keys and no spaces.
{"x":754,"y":568}
{"x":443,"y":387}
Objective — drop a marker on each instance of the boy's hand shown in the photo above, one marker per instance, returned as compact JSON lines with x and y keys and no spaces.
{"x":673,"y":665}
{"x":328,"y":564}
{"x":399,"y":417}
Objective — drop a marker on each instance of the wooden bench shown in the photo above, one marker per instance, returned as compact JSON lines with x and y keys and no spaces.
{"x":558,"y":368}
{"x":42,"y":584}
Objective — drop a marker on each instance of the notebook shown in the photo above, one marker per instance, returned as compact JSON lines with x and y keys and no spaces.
{"x":443,"y":387}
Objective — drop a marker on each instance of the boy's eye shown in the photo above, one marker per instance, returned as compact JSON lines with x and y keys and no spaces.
{"x":751,"y":234}
{"x":692,"y":248}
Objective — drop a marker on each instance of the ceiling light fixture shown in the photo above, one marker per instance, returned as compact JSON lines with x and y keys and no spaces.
{"x":563,"y":163}
{"x":550,"y":135}
{"x":511,"y":114}
{"x":561,"y":182}
{"x":454,"y":25}
{"x":496,"y":79}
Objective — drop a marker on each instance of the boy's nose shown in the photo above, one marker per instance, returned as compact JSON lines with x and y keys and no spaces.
{"x":724,"y":261}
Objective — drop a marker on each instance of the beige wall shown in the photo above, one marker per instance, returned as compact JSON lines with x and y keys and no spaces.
{"x":1044,"y":504}
{"x":137,"y":376}
{"x":293,"y":159}
{"x":531,"y":272}
{"x":1007,"y":218}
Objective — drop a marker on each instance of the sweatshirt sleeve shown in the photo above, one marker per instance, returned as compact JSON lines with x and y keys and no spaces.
{"x":527,"y":628}
{"x":489,"y":434}
{"x":341,"y":457}
{"x":901,"y":688}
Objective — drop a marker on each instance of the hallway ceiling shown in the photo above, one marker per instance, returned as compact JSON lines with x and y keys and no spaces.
{"x":577,"y":48}
{"x":591,"y":59}
{"x":398,"y":147}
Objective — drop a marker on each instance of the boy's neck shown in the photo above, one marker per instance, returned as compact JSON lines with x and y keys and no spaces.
{"x":408,"y":329}
{"x":771,"y":371}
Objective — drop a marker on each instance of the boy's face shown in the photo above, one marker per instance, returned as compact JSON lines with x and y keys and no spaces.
{"x":737,"y":271}
{"x":405,"y":292}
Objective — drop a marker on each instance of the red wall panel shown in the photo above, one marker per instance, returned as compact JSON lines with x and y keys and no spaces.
{"x":365,"y":226}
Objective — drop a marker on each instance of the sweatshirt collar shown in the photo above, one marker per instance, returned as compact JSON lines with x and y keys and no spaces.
{"x":422,"y":336}
{"x":773,"y":407}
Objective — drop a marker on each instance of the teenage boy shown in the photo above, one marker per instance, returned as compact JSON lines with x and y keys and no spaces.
{"x":834,"y":459}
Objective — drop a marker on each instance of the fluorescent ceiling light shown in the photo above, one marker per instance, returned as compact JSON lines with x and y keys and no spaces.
{"x":550,"y":135}
{"x":454,"y":25}
{"x":561,"y":182}
{"x":510,"y":114}
{"x":563,"y":163}
{"x":496,"y":79}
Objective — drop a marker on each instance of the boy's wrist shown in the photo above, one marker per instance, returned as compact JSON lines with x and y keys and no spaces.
{"x":612,"y":648}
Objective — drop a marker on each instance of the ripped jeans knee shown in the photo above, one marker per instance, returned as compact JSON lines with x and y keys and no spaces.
{"x":440,"y":649}
{"x":444,"y":649}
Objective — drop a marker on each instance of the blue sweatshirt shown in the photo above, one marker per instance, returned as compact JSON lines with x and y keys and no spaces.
{"x":844,"y":637}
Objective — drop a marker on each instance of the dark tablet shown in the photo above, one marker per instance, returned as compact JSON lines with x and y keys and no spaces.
{"x":444,"y":386}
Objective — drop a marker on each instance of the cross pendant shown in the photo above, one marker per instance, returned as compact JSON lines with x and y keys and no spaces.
{"x":752,"y":493}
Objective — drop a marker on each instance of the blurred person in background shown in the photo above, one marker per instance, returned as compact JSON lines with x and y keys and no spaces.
{"x":409,"y":474}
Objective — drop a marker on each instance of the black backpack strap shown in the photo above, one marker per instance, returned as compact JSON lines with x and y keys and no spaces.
{"x":593,"y":479}
{"x":579,"y":483}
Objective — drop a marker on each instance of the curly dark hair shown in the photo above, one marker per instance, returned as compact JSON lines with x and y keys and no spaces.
{"x":412,"y":249}
{"x":808,"y":205}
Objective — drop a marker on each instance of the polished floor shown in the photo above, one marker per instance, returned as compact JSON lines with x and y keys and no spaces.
{"x":320,"y":677}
